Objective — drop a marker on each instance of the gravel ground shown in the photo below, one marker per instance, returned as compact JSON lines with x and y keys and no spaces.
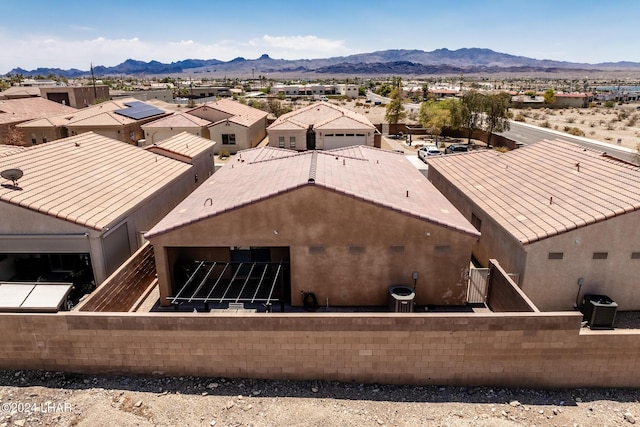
{"x":54,"y":399}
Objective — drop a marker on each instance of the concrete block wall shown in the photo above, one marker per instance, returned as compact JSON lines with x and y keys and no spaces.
{"x":518,"y":350}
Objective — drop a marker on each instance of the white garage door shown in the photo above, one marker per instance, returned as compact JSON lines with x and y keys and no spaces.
{"x":341,"y":140}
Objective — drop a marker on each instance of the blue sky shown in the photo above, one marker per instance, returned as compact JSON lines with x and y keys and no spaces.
{"x":73,"y":34}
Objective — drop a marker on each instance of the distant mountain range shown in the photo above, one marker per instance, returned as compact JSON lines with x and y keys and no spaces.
{"x":386,"y":62}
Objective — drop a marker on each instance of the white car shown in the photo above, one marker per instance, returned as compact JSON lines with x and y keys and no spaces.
{"x":428,"y":150}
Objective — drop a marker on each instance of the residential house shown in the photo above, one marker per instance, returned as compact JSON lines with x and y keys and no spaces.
{"x":16,"y":111}
{"x":166,"y":127}
{"x":82,"y":204}
{"x":234,"y":126}
{"x":322,"y":126}
{"x":119,"y":119}
{"x":557,"y":214}
{"x":344,"y":225}
{"x":17,"y":92}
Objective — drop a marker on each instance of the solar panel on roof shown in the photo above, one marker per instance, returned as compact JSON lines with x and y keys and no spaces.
{"x":139,"y":110}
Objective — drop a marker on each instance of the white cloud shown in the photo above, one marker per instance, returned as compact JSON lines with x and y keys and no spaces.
{"x":54,"y":52}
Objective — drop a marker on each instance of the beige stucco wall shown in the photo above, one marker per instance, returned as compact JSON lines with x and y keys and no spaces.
{"x":314,"y":216}
{"x":243,"y":137}
{"x":300,"y":135}
{"x":552,"y":284}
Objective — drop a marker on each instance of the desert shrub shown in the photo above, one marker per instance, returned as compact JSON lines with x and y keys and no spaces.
{"x":632,"y":120}
{"x":501,"y":149}
{"x":592,"y":104}
{"x":593,"y":132}
{"x":581,"y":122}
{"x":571,"y":119}
{"x":545,"y":124}
{"x":592,"y":125}
{"x":610,"y":126}
{"x":573,"y":131}
{"x":223,"y":154}
{"x":609,"y":104}
{"x":520,"y":118}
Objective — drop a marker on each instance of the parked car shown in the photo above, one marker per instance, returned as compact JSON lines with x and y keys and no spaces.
{"x":456,"y":148}
{"x":428,"y":150}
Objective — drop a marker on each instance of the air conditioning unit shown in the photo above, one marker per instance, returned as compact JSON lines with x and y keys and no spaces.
{"x":599,"y":311}
{"x":401,"y":299}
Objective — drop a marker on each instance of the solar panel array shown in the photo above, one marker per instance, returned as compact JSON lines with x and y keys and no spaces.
{"x":139,"y":110}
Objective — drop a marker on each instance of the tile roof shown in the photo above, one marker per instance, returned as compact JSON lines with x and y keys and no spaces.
{"x":322,"y":115}
{"x":20,"y":92}
{"x":88,"y":179}
{"x":184,"y":144}
{"x":97,"y":115}
{"x":6,"y":150}
{"x":22,"y":109}
{"x":238,"y":113}
{"x":178,"y":120}
{"x":372,"y":175}
{"x":544,"y":189}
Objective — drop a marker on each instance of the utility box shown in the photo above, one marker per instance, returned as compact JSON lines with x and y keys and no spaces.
{"x":599,"y":311}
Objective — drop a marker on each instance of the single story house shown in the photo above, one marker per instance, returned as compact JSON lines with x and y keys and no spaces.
{"x":80,"y":205}
{"x":322,"y":126}
{"x":563,"y":217}
{"x":344,"y":225}
{"x":16,"y":111}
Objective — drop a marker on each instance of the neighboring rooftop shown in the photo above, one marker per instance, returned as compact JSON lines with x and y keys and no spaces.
{"x":322,"y":115}
{"x":103,"y":114}
{"x":178,"y":120}
{"x":183,"y":144}
{"x":6,"y":150}
{"x":544,"y":189}
{"x":87,"y":179}
{"x":237,"y":112}
{"x":23,"y":109}
{"x":383,"y":178}
{"x":20,"y":92}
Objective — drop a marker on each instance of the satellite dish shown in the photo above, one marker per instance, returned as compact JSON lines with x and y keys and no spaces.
{"x":12,"y":174}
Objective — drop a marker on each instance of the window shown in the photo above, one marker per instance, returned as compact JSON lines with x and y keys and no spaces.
{"x":34,"y":139}
{"x":281,"y":141}
{"x":441,"y":249}
{"x":316,"y":250}
{"x":357,"y":249}
{"x":228,"y":139}
{"x":292,"y":142}
{"x":396,"y":249}
{"x":556,"y":255}
{"x":44,"y":138}
{"x":476,"y":222}
{"x":635,"y":255}
{"x":600,"y":255}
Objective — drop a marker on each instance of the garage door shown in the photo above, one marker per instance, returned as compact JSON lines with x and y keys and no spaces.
{"x":341,"y":140}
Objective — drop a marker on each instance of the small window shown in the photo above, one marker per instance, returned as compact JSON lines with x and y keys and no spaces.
{"x":635,"y":255}
{"x":292,"y":142}
{"x":281,"y":141}
{"x":396,"y":249}
{"x":34,"y":139}
{"x":316,"y":250}
{"x":441,"y":249}
{"x":44,"y":138}
{"x":229,"y":139}
{"x":357,"y":249}
{"x":476,"y":222}
{"x":600,"y":255}
{"x":556,"y":255}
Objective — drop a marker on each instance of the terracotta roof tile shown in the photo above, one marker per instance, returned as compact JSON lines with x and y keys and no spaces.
{"x":372,"y":175}
{"x":322,"y":114}
{"x":87,"y":179}
{"x":238,"y":113}
{"x":178,"y":120}
{"x":544,"y":189}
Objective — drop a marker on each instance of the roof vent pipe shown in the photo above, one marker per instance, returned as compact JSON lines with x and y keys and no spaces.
{"x":551,"y":200}
{"x":578,"y":166}
{"x":407,"y":193}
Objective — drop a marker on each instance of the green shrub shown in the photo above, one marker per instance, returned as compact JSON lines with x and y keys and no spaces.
{"x":223,"y":154}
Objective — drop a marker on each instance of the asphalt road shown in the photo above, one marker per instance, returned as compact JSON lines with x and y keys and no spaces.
{"x":528,"y":134}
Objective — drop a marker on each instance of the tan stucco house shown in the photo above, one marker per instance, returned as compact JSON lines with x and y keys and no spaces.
{"x":557,"y":214}
{"x":343,"y":224}
{"x":13,"y":112}
{"x":120,"y":119}
{"x":234,"y":126}
{"x":84,"y":202}
{"x":321,"y":126}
